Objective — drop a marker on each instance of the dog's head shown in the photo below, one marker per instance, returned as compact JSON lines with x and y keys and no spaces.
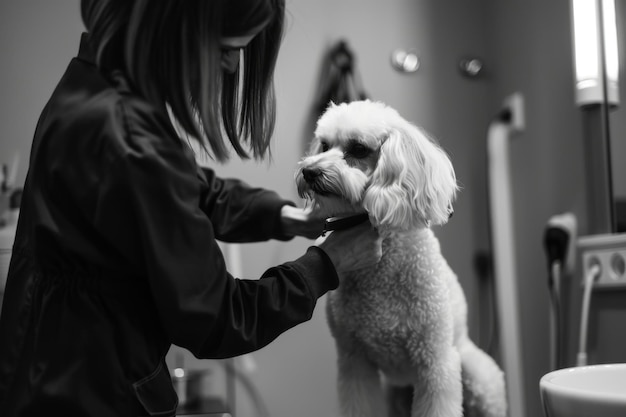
{"x":366,"y":157}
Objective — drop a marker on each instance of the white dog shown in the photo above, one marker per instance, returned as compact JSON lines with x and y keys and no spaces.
{"x":403,"y":322}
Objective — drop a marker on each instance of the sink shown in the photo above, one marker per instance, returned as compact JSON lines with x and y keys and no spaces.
{"x":586,"y":391}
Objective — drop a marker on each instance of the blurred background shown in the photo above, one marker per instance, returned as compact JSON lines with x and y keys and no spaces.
{"x":522,"y":46}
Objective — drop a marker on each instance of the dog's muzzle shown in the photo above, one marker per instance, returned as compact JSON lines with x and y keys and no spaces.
{"x":311,"y":174}
{"x":313,"y":181}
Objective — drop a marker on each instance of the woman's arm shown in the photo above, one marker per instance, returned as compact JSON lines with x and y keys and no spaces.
{"x":240,"y":213}
{"x":149,"y":209}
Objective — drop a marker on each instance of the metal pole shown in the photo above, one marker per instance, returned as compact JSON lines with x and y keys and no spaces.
{"x":600,"y":204}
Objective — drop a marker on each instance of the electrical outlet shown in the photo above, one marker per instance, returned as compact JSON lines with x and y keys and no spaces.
{"x":608,"y":251}
{"x":568,"y":224}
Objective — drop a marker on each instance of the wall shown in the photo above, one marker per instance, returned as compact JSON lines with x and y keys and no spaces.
{"x":531,"y":44}
{"x":533,"y":55}
{"x":37,"y":40}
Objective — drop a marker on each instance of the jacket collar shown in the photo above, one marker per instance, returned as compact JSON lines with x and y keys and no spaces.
{"x":86,"y":52}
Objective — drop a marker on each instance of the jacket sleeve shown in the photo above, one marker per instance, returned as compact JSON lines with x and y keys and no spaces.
{"x":153,"y":193}
{"x":238,"y":212}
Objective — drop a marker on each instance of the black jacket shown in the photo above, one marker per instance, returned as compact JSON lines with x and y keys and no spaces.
{"x":116,"y":258}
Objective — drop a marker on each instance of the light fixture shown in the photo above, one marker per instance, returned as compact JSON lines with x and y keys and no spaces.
{"x":595,"y":52}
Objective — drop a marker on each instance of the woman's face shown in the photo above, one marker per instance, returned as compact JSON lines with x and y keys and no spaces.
{"x":231,"y":47}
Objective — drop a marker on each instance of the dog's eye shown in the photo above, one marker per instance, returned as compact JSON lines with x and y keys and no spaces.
{"x":359,"y":151}
{"x":325,"y":146}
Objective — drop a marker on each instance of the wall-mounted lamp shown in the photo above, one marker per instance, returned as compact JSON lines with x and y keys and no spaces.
{"x":595,"y":52}
{"x":597,"y":91}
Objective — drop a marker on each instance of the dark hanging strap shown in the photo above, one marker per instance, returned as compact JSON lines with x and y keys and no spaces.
{"x":339,"y":82}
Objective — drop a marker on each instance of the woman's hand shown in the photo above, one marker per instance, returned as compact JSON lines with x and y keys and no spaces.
{"x":301,"y":222}
{"x":354,"y":248}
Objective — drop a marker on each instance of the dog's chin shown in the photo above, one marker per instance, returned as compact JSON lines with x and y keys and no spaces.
{"x":326,"y":201}
{"x":317,"y":192}
{"x":331,"y":205}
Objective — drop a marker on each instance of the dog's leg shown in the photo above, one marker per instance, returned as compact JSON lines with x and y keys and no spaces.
{"x":484,"y":393}
{"x":483,"y":383}
{"x":360,"y":391}
{"x":399,"y":400}
{"x":438,"y":392}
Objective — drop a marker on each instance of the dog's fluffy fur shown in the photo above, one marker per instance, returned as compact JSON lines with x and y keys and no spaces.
{"x":403,"y":322}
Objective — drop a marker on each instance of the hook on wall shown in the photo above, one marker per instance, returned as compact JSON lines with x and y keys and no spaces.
{"x":405,"y":61}
{"x":471,"y":66}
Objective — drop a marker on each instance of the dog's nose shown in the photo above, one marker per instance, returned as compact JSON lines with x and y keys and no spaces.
{"x":310,"y":174}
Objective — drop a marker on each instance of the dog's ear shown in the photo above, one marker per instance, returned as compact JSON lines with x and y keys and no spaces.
{"x":414,"y":182}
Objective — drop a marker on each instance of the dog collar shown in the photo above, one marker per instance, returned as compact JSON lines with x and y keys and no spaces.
{"x":340,"y":223}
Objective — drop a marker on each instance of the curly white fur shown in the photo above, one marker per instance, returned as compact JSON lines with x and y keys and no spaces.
{"x":403,"y":322}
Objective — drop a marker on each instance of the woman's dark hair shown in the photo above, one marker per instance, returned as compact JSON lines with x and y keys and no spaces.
{"x":170,"y":51}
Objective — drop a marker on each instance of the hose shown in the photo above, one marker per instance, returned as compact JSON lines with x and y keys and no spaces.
{"x":592,"y":275}
{"x":559,"y":237}
{"x":555,"y":315}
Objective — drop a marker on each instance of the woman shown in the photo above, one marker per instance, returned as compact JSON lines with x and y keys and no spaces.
{"x":116,"y":256}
